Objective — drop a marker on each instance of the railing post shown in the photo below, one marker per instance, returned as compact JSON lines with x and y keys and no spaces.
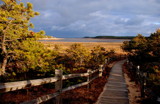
{"x":108,"y":60}
{"x":105,"y":63}
{"x":88,"y":78}
{"x":58,"y":85}
{"x":158,"y":99}
{"x":100,"y":70}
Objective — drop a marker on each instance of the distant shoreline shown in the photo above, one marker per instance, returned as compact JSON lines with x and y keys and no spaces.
{"x":111,"y":37}
{"x":108,"y":38}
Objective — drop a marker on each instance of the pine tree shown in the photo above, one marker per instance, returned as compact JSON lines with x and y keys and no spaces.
{"x":14,"y":28}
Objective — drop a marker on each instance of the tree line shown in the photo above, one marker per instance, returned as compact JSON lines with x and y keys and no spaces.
{"x":112,"y":37}
{"x":145,"y":53}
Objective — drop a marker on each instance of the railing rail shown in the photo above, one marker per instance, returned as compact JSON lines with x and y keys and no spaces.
{"x":12,"y":86}
{"x":74,"y":76}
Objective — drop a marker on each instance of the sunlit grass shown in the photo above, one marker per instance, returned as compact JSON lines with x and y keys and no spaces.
{"x":90,"y":45}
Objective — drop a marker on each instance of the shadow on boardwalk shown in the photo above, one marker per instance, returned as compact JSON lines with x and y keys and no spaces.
{"x":115,"y":91}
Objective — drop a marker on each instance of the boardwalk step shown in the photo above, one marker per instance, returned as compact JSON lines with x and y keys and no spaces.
{"x":116,"y":74}
{"x":117,"y":90}
{"x":111,"y":93}
{"x":116,"y":82}
{"x":115,"y":87}
{"x":114,"y":101}
{"x":116,"y":79}
{"x":118,"y":98}
{"x":119,"y":85}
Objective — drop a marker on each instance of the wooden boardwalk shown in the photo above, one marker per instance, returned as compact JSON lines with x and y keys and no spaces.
{"x":115,"y":91}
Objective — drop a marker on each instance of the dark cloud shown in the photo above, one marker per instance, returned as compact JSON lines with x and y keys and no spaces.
{"x":78,"y":18}
{"x":1,"y":2}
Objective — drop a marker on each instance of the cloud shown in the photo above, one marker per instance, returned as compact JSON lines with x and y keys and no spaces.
{"x":98,"y":14}
{"x":78,"y":18}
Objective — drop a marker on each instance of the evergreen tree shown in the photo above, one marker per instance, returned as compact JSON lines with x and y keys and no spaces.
{"x":14,"y":28}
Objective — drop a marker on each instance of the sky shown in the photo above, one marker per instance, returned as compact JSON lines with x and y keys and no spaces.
{"x":79,"y":18}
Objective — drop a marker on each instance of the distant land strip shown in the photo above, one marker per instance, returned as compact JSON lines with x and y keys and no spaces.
{"x":112,"y":37}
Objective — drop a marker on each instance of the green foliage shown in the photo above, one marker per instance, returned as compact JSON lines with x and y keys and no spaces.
{"x":78,"y":59}
{"x":98,"y":56}
{"x":32,"y":60}
{"x":78,"y":54}
{"x":33,"y":55}
{"x":14,"y":28}
{"x":136,"y":45}
{"x":138,"y":48}
{"x":57,"y":47}
{"x":154,"y":43}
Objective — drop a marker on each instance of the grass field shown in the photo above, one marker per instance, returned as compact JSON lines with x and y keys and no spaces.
{"x":90,"y":45}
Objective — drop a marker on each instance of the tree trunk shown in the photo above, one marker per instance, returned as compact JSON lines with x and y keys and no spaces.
{"x":4,"y":63}
{"x":4,"y":50}
{"x":4,"y":53}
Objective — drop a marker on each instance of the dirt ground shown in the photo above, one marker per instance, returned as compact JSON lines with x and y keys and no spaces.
{"x":133,"y":89}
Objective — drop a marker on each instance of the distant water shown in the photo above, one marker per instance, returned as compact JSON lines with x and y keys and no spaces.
{"x":86,"y":40}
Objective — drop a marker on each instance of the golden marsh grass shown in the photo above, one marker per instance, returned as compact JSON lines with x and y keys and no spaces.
{"x":90,"y":45}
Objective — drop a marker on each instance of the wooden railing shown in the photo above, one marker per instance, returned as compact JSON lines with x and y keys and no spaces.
{"x":142,"y":79}
{"x":59,"y":77}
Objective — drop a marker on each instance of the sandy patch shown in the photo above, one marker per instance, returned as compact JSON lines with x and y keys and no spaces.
{"x":133,"y":89}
